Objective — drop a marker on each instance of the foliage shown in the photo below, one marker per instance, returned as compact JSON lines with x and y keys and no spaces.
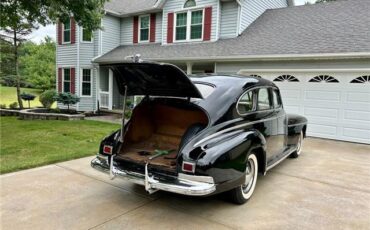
{"x":2,"y":106}
{"x":47,"y":98}
{"x":87,"y":13}
{"x":9,"y":95}
{"x":27,"y":144}
{"x":6,"y":60}
{"x":28,"y":97}
{"x":67,"y":99}
{"x":11,"y":81}
{"x":37,"y":63}
{"x":13,"y":105}
{"x":128,"y":114}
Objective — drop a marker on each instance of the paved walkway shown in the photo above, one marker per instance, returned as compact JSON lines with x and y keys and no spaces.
{"x":328,"y":187}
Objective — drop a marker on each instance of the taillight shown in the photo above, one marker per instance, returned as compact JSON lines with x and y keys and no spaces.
{"x":188,"y":167}
{"x":107,"y":149}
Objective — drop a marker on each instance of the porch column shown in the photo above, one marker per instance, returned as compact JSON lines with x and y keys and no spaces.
{"x":189,"y":67}
{"x":110,"y":89}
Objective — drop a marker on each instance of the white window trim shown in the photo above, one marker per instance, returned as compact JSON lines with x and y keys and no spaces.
{"x":70,"y":33}
{"x":188,"y":24}
{"x":81,"y":81}
{"x":82,"y":37}
{"x":139,"y":30}
{"x":70,"y":82}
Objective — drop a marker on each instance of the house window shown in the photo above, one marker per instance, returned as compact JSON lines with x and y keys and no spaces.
{"x":86,"y":35}
{"x":362,"y":79}
{"x":66,"y":80}
{"x":86,"y":82}
{"x":67,"y":31}
{"x":189,"y":25}
{"x":189,"y":3}
{"x":286,"y":78}
{"x":144,"y":28}
{"x":196,"y":24}
{"x":181,"y":20}
{"x":324,"y":78}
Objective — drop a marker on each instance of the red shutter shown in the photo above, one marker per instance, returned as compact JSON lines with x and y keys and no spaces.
{"x":59,"y":33}
{"x":136,"y":29}
{"x":60,"y":82}
{"x":73,"y":81}
{"x":152,"y":28}
{"x":207,"y":23}
{"x":73,"y":30}
{"x":170,"y":28}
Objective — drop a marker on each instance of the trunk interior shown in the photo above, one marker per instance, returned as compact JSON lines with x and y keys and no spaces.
{"x":158,"y":127}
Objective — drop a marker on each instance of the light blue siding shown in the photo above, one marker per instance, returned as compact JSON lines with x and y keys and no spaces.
{"x":127,"y":31}
{"x":229,"y":19}
{"x":111,"y":33}
{"x":177,"y":5}
{"x":252,"y":9}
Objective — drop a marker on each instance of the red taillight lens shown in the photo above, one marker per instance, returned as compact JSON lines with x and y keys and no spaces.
{"x":188,"y":167}
{"x":107,"y":149}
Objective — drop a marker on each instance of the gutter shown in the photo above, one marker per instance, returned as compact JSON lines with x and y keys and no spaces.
{"x":274,"y":57}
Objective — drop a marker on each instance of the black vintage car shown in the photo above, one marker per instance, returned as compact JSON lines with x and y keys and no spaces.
{"x":198,"y":135}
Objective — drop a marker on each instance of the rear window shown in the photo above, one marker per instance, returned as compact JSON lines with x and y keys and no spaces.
{"x":205,"y":89}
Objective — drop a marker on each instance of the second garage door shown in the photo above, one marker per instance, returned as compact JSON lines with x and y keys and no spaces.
{"x":337,"y":106}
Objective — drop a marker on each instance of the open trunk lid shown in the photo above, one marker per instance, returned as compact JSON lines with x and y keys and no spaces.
{"x":154,"y":79}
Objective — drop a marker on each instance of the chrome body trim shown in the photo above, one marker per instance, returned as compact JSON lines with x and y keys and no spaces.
{"x":233,"y":128}
{"x":280,"y":160}
{"x":184,"y":184}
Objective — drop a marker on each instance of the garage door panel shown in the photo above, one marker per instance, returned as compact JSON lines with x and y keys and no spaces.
{"x":361,"y":134}
{"x":320,"y":129}
{"x":361,"y":97}
{"x":357,"y":115}
{"x":292,"y":109}
{"x":321,"y":112}
{"x":322,"y":95}
{"x":291,"y":94}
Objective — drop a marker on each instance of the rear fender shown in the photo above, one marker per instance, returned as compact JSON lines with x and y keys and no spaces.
{"x":225,"y":157}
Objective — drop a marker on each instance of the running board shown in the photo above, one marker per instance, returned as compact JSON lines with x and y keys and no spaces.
{"x":281,"y":159}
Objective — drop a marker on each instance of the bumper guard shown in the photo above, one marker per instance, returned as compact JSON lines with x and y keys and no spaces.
{"x":184,"y":184}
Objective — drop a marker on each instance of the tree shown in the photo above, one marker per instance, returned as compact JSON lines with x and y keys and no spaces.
{"x":67,"y":99}
{"x":19,"y":17}
{"x":38,"y":63}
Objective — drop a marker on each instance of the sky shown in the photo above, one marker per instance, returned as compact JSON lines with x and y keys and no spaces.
{"x":50,"y":30}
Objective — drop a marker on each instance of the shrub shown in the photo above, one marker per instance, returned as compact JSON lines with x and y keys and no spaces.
{"x":3,"y":106}
{"x":13,"y":105}
{"x":47,"y":98}
{"x":27,"y":97}
{"x":67,"y":99}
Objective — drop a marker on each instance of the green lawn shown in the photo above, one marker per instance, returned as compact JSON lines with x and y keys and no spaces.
{"x":8,"y":95}
{"x":28,"y":144}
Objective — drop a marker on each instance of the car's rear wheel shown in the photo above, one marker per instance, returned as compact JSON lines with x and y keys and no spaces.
{"x":243,"y":193}
{"x":298,"y":151}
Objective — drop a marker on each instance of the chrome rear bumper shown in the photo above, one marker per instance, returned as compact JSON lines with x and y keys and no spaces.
{"x":184,"y":184}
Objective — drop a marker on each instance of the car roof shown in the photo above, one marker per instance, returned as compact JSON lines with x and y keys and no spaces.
{"x":228,"y":89}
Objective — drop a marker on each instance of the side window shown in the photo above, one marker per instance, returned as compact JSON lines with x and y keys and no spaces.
{"x":263,"y":102}
{"x":245,"y":103}
{"x":276,"y":98}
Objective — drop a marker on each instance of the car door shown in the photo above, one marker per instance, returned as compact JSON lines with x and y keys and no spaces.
{"x":267,"y":124}
{"x":281,"y":123}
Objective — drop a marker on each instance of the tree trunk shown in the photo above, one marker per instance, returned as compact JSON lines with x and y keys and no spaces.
{"x":17,"y":69}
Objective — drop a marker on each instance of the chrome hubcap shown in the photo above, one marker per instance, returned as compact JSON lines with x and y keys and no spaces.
{"x":299,"y":144}
{"x":249,"y":177}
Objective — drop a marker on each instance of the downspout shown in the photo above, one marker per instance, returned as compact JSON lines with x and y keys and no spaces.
{"x":238,"y":26}
{"x":77,"y":77}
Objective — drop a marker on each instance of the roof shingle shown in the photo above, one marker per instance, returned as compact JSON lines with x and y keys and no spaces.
{"x":336,"y":27}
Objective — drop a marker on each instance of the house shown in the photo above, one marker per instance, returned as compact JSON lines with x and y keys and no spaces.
{"x":319,"y":55}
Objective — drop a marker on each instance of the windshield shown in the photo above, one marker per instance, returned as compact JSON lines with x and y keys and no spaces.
{"x":205,"y":89}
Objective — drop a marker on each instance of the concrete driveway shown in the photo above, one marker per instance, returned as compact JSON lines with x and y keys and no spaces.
{"x":328,"y":187}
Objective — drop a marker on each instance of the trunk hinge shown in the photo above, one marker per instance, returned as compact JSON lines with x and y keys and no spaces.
{"x":123,"y":114}
{"x":148,"y":188}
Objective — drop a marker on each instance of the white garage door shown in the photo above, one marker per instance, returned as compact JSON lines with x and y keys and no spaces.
{"x":337,"y":106}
